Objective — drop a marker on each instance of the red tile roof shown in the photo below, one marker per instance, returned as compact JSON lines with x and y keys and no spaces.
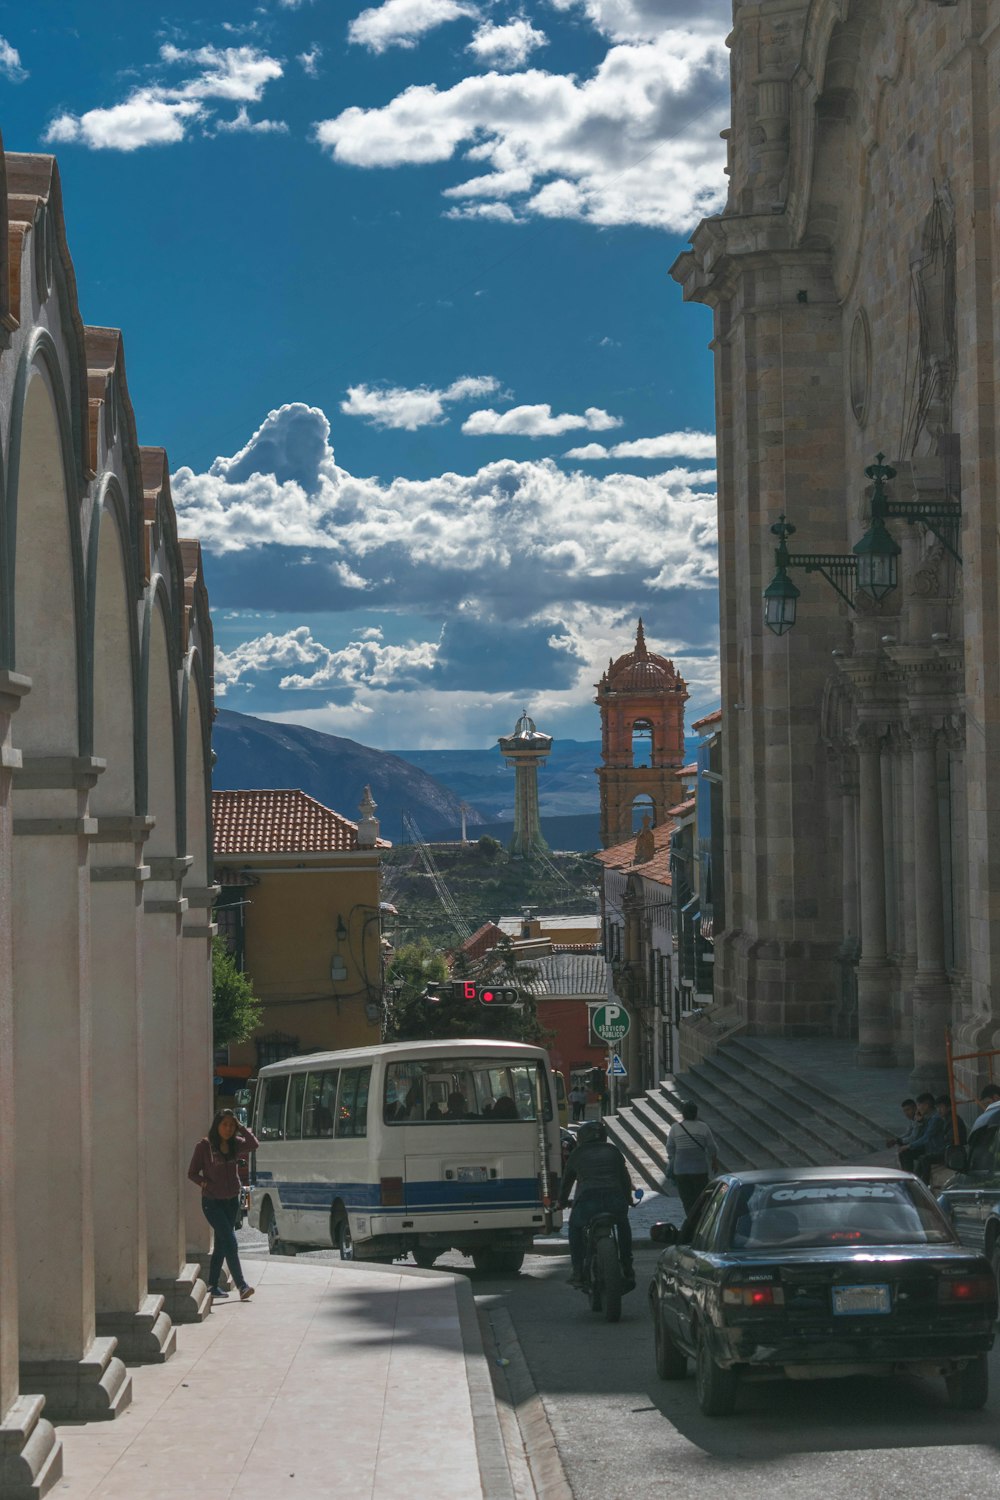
{"x":279,"y":822}
{"x":700,"y":725}
{"x":482,"y":941}
{"x":682,"y":809}
{"x":622,"y":856}
{"x":691,"y":769}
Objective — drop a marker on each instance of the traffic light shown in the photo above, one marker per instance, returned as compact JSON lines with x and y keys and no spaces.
{"x":486,"y":994}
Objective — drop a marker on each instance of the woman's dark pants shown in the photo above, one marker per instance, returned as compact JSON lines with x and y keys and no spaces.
{"x":689,"y":1185}
{"x":221,"y":1213}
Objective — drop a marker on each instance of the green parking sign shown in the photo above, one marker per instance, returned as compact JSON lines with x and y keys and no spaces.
{"x":610,"y":1022}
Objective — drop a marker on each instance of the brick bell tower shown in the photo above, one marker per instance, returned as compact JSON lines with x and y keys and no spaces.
{"x":641,"y":698}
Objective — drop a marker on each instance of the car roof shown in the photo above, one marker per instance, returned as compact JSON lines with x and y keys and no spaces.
{"x":820,"y":1174}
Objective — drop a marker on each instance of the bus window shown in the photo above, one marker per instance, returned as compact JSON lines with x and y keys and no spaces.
{"x":293,"y":1110}
{"x":445,"y":1090}
{"x":320,"y":1104}
{"x":271,"y":1108}
{"x":352,"y":1115}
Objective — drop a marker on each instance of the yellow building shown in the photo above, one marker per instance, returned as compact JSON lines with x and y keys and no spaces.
{"x":299,"y":908}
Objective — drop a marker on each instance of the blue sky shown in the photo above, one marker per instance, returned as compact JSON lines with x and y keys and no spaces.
{"x":394,"y":293}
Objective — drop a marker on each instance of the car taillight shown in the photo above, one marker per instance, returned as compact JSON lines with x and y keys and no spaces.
{"x":967,"y":1289}
{"x":753,"y":1296}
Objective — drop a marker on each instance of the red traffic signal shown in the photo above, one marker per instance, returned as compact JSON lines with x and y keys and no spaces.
{"x":486,"y":994}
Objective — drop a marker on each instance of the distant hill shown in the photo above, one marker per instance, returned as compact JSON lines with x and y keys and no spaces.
{"x":573,"y":832}
{"x":257,"y":753}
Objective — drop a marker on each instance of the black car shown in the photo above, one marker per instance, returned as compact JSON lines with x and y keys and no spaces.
{"x":971,"y":1198}
{"x":815,"y":1272}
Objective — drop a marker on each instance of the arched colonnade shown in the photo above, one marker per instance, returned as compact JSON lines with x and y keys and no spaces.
{"x":105,"y":872}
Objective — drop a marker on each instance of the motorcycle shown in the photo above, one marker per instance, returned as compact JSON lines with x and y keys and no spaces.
{"x":603,"y":1276}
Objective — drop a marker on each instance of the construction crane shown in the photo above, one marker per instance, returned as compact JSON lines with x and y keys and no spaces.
{"x":447,"y":900}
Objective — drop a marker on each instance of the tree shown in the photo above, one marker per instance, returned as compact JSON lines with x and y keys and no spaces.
{"x":413,"y":1018}
{"x":236,"y":1011}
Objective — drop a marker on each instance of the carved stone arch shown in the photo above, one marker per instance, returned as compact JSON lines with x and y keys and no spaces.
{"x":108,"y":728}
{"x":934,"y":275}
{"x":41,"y":436}
{"x":163,"y":719}
{"x":836,"y":164}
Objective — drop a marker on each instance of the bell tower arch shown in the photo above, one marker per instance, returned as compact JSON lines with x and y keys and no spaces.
{"x":641,"y":698}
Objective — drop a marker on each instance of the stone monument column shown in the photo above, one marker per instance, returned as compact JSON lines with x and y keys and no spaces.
{"x":125,"y":1306}
{"x":78,"y":1373}
{"x":30,"y":1453}
{"x":931,"y":990}
{"x":167,"y":1151}
{"x":874,"y":1013}
{"x":903,"y":1047}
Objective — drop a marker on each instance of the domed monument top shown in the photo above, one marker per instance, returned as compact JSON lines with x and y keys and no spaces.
{"x":641,"y":671}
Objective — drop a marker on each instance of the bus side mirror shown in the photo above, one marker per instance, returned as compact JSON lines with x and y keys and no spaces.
{"x":664,"y":1234}
{"x":956,"y":1159}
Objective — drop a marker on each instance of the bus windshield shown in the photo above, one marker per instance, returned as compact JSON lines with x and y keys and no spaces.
{"x":452,"y":1090}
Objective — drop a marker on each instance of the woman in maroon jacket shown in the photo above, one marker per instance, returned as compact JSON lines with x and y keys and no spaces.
{"x":215,"y":1168}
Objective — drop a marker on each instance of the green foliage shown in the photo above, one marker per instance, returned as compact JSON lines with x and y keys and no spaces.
{"x":490,"y":848}
{"x":414,"y":1019}
{"x":236,"y":1011}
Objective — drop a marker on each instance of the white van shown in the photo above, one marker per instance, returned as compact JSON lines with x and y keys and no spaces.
{"x":411,"y":1146}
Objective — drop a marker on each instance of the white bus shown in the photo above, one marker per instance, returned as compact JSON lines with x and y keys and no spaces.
{"x":416,"y":1147}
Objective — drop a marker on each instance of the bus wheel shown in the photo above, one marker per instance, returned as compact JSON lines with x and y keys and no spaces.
{"x":343,"y":1239}
{"x":269,"y":1223}
{"x":424,"y":1257}
{"x":498,"y":1262}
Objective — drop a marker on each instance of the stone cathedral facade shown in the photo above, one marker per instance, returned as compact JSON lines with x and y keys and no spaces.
{"x":854,"y":278}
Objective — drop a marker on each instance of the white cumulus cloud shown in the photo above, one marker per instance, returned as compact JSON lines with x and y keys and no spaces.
{"x":635,"y":143}
{"x":364,"y":660}
{"x":158,"y":114}
{"x":692,"y":445}
{"x":506,"y":46}
{"x":412,"y":408}
{"x":645,"y":20}
{"x":242,"y":122}
{"x":535,"y":421}
{"x":401,"y":23}
{"x":310,"y":61}
{"x":11,"y":67}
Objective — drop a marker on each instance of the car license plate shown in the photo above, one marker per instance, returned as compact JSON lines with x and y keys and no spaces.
{"x":861,"y":1299}
{"x":472,"y":1174}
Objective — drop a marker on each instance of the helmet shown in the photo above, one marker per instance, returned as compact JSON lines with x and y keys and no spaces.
{"x":593,"y":1131}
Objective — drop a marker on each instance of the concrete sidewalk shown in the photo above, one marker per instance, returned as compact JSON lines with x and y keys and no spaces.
{"x":340,"y":1377}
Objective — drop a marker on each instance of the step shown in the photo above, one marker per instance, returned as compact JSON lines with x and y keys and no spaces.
{"x":871,"y":1127}
{"x":814,"y":1135}
{"x":776,"y":1092}
{"x":860,"y":1130}
{"x":646,"y":1166}
{"x":764,"y":1136}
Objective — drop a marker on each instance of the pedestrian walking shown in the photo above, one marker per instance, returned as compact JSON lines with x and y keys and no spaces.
{"x":215,"y":1169}
{"x":578,"y":1099}
{"x":691,"y":1154}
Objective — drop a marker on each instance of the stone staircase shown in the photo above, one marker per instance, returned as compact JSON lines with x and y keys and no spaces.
{"x":762,"y":1112}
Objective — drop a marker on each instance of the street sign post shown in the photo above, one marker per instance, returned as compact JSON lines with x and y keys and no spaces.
{"x":618,"y":1068}
{"x":610,"y":1023}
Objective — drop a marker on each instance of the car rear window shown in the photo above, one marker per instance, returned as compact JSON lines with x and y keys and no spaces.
{"x":798,"y":1215}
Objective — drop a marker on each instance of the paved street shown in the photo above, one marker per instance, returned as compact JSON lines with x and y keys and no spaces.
{"x":621,"y":1431}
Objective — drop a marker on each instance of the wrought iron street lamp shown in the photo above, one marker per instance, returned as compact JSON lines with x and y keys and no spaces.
{"x":872,"y":566}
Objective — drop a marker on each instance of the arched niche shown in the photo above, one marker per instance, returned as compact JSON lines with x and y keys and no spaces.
{"x":113,"y":657}
{"x":44,"y":536}
{"x":159,"y":683}
{"x":642,"y":805}
{"x":197,"y":778}
{"x":642,"y":745}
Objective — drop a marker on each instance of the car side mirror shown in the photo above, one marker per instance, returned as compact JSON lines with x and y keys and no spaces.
{"x":664,"y":1234}
{"x":956,"y":1159}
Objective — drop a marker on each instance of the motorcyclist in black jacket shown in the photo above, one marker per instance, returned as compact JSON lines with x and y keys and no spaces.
{"x":603,"y":1186}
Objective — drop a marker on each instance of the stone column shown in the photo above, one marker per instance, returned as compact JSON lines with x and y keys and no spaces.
{"x":30,"y":1453}
{"x":850,"y":945}
{"x":125,"y":1306}
{"x":903,"y":1046}
{"x":874,"y":1013}
{"x":931,"y":990}
{"x":77,"y":1372}
{"x":171,"y":1274}
{"x":196,"y":1052}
